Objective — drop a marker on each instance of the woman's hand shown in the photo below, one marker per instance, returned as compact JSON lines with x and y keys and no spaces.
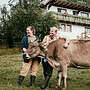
{"x":24,"y":50}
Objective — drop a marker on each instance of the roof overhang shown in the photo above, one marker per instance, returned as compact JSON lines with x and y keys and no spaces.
{"x":72,"y":6}
{"x":68,"y":5}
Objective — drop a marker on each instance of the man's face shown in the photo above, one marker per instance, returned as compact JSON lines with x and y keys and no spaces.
{"x":29,"y":32}
{"x":52,"y":32}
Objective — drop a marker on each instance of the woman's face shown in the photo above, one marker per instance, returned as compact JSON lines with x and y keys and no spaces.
{"x":29,"y":32}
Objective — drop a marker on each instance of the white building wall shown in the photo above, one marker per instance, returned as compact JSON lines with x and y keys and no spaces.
{"x":76,"y":32}
{"x":89,"y":15}
{"x":79,"y":14}
{"x":69,"y":11}
{"x":53,"y":8}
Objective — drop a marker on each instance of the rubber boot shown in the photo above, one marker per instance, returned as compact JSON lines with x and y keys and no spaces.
{"x":46,"y":82}
{"x":32,"y":81}
{"x":20,"y":80}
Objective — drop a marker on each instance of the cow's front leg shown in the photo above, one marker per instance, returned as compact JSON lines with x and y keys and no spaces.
{"x":59,"y":77}
{"x":64,"y":83}
{"x":64,"y":75}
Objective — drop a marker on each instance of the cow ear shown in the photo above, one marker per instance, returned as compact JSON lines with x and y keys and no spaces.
{"x":64,"y":39}
{"x":59,"y":37}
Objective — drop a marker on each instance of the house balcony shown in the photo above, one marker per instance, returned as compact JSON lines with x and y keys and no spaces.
{"x":71,"y":18}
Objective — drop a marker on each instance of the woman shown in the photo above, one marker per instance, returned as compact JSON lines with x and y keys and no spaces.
{"x":28,"y":63}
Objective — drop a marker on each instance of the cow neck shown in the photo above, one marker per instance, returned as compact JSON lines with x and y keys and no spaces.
{"x":31,"y":39}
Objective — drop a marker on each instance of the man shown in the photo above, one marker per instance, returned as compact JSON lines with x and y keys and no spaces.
{"x":28,"y":63}
{"x":47,"y":69}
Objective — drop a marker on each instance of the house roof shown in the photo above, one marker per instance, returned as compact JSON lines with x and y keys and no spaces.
{"x":72,"y":5}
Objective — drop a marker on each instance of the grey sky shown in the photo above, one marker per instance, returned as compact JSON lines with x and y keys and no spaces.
{"x":3,"y":2}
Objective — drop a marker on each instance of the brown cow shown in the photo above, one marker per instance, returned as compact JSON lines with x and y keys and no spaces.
{"x":77,"y":54}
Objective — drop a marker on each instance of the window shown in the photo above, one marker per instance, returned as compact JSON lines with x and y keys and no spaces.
{"x":75,"y":12}
{"x":63,"y":27}
{"x":88,"y":32}
{"x":60,"y":28}
{"x":69,"y":28}
{"x":66,"y":27}
{"x":64,"y":11}
{"x":84,"y":14}
{"x":83,"y":35}
{"x":59,"y":9}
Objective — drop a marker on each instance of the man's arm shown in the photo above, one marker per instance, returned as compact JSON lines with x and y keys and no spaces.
{"x":44,"y":42}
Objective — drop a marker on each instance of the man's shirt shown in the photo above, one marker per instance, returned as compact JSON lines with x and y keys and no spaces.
{"x":48,"y":39}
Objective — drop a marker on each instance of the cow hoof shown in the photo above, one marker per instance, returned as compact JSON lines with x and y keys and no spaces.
{"x":63,"y":88}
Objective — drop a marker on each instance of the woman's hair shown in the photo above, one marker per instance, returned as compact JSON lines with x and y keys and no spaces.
{"x":32,"y":29}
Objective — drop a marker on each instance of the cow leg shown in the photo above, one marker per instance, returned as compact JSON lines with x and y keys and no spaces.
{"x":59,"y":79}
{"x":64,"y":84}
{"x":64,"y":75}
{"x":63,"y":88}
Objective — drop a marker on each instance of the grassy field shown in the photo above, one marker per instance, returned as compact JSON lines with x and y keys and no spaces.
{"x":10,"y":66}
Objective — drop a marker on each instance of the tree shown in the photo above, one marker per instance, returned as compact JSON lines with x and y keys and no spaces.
{"x":25,"y":14}
{"x":4,"y":24}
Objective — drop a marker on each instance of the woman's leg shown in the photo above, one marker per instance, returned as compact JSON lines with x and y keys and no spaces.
{"x":24,"y":71}
{"x":34,"y":69}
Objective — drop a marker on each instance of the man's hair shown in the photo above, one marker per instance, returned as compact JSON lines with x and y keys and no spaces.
{"x":54,"y":28}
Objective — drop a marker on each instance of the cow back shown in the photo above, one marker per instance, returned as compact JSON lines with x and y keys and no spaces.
{"x":77,"y":53}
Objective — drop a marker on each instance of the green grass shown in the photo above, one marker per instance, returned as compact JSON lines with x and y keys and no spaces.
{"x":10,"y":66}
{"x":7,"y":51}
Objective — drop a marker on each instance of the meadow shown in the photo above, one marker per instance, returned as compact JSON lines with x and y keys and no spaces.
{"x":10,"y":66}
